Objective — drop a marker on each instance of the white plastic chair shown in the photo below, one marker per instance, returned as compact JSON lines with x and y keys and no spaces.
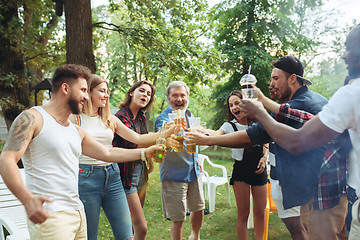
{"x":12,"y":214}
{"x":212,"y":182}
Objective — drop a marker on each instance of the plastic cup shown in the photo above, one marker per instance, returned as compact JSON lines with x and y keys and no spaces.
{"x":248,"y":79}
{"x":194,"y":122}
{"x":171,"y":118}
{"x":249,"y":93}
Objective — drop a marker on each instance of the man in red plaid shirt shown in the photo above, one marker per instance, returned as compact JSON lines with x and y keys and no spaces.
{"x":340,"y":114}
{"x":331,"y":188}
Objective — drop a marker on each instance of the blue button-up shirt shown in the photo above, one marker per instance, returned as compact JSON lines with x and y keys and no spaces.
{"x":298,"y":175}
{"x":177,"y":166}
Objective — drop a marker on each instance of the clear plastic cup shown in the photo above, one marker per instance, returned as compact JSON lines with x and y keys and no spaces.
{"x":171,"y":117}
{"x":249,"y":93}
{"x":194,"y":122}
{"x":248,"y":79}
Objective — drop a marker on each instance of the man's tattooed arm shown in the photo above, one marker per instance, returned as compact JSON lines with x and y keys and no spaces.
{"x":21,"y":132}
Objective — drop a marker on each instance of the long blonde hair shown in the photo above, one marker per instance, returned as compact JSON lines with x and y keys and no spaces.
{"x":103,"y":112}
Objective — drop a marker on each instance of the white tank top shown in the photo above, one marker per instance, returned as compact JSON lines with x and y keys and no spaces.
{"x":96,"y":129}
{"x":51,"y":164}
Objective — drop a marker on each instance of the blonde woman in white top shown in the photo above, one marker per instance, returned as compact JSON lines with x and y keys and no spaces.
{"x":99,"y":182}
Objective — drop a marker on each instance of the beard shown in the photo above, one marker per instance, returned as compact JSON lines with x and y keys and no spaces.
{"x":183,"y":107}
{"x":285,"y":95}
{"x":74,"y":105}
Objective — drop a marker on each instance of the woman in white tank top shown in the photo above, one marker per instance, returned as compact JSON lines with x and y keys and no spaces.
{"x":249,"y":171}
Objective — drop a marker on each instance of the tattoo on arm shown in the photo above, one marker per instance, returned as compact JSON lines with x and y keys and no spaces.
{"x":19,"y":132}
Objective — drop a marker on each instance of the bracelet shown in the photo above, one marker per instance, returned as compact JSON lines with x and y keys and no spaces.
{"x":143,"y":158}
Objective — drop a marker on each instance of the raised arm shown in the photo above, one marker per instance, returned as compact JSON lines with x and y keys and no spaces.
{"x":94,"y":149}
{"x":212,"y":132}
{"x":312,"y":135}
{"x":239,"y":139}
{"x":24,"y":128}
{"x":268,"y":103}
{"x":140,"y":139}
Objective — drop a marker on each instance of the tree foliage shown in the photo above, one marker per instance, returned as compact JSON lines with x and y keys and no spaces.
{"x":331,"y":76}
{"x":25,"y":30}
{"x":255,"y":32}
{"x":330,"y":73}
{"x":159,"y":41}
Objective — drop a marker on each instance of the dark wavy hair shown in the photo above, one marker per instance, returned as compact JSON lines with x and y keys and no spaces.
{"x":229,"y":113}
{"x":128,"y":98}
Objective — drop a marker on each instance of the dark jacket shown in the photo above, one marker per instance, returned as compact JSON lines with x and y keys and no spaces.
{"x":298,"y":175}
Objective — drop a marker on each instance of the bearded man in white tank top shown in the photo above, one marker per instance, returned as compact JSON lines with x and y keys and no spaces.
{"x":51,"y":145}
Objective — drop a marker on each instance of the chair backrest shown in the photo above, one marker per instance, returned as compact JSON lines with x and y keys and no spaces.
{"x":12,"y":212}
{"x":203,"y":157}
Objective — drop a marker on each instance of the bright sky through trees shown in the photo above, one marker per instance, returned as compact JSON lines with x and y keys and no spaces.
{"x":349,"y":9}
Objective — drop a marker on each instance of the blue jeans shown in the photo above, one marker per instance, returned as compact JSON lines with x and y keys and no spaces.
{"x":351,"y":196}
{"x":101,"y":186}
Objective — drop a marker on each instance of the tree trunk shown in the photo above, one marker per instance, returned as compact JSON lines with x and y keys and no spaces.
{"x":14,"y":89}
{"x":79,"y":47}
{"x":126,"y":64}
{"x":135,"y":70}
{"x":164,"y":100}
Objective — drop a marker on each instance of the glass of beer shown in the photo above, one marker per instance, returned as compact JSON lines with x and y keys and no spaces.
{"x":194,"y":123}
{"x":160,"y":154}
{"x":179,"y":132}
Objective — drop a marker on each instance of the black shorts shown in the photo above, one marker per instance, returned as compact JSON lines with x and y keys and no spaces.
{"x":244,"y":170}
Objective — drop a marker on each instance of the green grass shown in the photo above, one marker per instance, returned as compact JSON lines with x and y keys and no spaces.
{"x":2,"y":142}
{"x":220,"y":224}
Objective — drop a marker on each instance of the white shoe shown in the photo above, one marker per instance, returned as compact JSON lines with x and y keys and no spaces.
{"x":191,"y":237}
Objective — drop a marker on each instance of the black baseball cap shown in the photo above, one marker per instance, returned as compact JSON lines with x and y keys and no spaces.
{"x":292,"y":65}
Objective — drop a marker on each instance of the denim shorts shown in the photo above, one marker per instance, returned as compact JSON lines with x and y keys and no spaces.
{"x":101,"y":186}
{"x":138,"y":180}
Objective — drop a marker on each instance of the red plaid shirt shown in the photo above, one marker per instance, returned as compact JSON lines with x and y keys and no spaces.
{"x":333,"y":171}
{"x":127,"y":118}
